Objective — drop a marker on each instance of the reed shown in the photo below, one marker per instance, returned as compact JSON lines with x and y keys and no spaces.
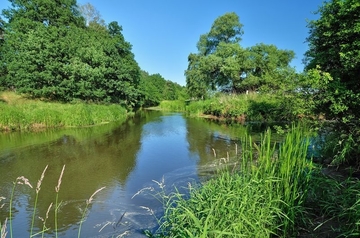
{"x":22,"y":181}
{"x":38,"y":187}
{"x":57,"y":205}
{"x":88,"y":202}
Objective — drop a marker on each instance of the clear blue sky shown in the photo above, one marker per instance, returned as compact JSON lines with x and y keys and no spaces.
{"x":164,"y":32}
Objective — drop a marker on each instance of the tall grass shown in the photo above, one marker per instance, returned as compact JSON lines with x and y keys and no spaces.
{"x":262,"y":196}
{"x":18,"y":113}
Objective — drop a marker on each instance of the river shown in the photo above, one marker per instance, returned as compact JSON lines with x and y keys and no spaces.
{"x":149,"y":154}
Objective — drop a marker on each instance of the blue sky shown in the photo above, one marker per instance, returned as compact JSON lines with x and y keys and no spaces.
{"x":164,"y":32}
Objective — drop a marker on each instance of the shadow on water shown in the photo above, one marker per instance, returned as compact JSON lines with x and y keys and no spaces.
{"x":133,"y":160}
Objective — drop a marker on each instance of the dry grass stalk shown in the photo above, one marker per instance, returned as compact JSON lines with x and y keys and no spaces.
{"x":3,"y":229}
{"x":38,"y":186}
{"x":2,"y":205}
{"x":214,"y":152}
{"x":23,"y":180}
{"x":57,"y":188}
{"x":92,"y":196}
{"x":141,"y":190}
{"x":160,"y":184}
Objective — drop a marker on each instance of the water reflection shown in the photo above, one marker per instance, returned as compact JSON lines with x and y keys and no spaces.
{"x":134,"y":158}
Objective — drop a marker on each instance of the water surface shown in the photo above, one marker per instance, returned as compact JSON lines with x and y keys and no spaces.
{"x":148,"y":154}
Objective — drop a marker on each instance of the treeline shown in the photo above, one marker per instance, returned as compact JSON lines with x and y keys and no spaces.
{"x":156,"y":89}
{"x":59,"y":51}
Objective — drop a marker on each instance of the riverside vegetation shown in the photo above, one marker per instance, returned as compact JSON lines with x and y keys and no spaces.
{"x":87,"y":82}
{"x":19,"y":113}
{"x":268,"y":190}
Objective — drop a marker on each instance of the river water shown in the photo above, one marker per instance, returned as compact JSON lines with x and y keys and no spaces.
{"x":149,"y":154}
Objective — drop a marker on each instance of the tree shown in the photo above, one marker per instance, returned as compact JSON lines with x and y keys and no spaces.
{"x":53,"y":61}
{"x":333,"y":62}
{"x":204,"y":71}
{"x":25,"y":15}
{"x":154,"y":89}
{"x":91,"y":15}
{"x":222,"y":64}
{"x":266,"y":68}
{"x":226,"y":28}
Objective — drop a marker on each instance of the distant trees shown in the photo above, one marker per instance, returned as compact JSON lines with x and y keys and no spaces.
{"x":50,"y":51}
{"x":154,"y":89}
{"x":222,"y":64}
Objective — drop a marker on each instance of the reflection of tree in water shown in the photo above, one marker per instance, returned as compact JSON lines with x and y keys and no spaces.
{"x":205,"y":136}
{"x":91,"y":162}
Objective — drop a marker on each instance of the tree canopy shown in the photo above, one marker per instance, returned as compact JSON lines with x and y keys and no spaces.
{"x":154,"y":89}
{"x":334,"y":47}
{"x":222,"y":64}
{"x":53,"y":50}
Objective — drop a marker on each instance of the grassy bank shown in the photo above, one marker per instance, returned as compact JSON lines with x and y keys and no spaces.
{"x":21,"y":113}
{"x":249,"y":107}
{"x":270,"y":191}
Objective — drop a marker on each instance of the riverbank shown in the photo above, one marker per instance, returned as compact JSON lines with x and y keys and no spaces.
{"x":267,"y":191}
{"x":21,"y":113}
{"x":244,"y":107}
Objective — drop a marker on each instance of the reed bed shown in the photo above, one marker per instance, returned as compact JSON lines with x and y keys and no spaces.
{"x":262,"y":196}
{"x":19,"y":113}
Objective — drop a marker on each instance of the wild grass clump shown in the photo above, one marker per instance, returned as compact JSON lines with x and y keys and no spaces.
{"x":264,"y":197}
{"x":19,"y":113}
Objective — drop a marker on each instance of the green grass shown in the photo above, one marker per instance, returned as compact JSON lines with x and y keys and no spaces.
{"x":262,"y":196}
{"x":19,"y":113}
{"x":177,"y":106}
{"x":244,"y":107}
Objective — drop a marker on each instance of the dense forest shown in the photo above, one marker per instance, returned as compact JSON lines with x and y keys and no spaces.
{"x":57,"y":50}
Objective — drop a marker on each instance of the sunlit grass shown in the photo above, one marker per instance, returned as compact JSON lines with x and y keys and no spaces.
{"x":174,"y":106}
{"x":20,"y":113}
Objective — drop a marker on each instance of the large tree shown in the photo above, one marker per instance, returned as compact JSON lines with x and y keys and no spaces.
{"x":333,"y":60}
{"x":334,"y":47}
{"x":222,"y":64}
{"x":60,"y":58}
{"x":204,"y":71}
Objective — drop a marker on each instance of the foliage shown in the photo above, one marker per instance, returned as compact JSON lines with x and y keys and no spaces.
{"x":264,"y":107}
{"x":154,"y":89}
{"x":333,"y":59}
{"x":334,"y":203}
{"x":222,"y":64}
{"x":46,"y":56}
